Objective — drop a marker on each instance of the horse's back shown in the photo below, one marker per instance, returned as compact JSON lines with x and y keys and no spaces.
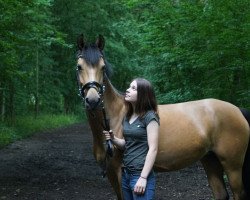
{"x":189,"y":130}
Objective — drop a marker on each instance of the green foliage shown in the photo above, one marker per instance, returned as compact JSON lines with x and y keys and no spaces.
{"x":26,"y":126}
{"x":188,"y":49}
{"x":7,"y":135}
{"x":196,"y":49}
{"x":27,"y":65}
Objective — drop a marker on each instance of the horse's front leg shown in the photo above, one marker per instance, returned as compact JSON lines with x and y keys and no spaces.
{"x":114,"y":175}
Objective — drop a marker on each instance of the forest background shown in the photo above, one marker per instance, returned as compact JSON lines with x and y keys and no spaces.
{"x":189,"y":50}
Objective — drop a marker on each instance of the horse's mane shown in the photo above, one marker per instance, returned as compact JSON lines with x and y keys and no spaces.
{"x":91,"y":54}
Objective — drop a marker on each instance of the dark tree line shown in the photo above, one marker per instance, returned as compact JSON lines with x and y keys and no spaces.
{"x":188,"y":49}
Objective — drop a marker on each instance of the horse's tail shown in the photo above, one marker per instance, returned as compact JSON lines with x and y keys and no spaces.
{"x":246,"y":166}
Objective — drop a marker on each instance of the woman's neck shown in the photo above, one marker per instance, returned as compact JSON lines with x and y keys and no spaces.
{"x":133,"y":117}
{"x":133,"y":107}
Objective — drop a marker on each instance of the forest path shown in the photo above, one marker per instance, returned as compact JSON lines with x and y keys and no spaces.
{"x":58,"y":164}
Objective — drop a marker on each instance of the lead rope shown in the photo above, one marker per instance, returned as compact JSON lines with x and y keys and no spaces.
{"x":106,"y":127}
{"x":108,"y":149}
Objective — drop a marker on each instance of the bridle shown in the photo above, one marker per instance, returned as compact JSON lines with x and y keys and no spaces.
{"x":100,"y":88}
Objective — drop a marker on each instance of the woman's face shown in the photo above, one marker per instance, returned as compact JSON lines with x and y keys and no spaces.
{"x":131,"y":93}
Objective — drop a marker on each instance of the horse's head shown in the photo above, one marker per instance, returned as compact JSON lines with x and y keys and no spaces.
{"x":91,"y":69}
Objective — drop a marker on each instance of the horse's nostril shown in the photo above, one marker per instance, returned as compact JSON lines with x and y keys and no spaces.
{"x":87,"y":100}
{"x":92,"y":103}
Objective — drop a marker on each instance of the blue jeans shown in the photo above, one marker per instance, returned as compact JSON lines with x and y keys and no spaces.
{"x":129,"y":180}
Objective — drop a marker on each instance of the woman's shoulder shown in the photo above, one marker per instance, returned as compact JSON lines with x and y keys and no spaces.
{"x":151,"y":115}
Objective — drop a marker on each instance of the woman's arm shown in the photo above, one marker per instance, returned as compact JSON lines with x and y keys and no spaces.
{"x":152,"y":134}
{"x":118,"y":142}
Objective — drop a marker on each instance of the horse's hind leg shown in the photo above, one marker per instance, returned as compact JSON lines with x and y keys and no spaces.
{"x":214,"y":171}
{"x":235,"y":181}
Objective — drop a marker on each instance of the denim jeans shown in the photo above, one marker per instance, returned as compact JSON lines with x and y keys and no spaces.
{"x":129,"y":180}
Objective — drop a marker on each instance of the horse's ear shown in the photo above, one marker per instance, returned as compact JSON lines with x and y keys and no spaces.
{"x":100,"y":42}
{"x":80,"y":42}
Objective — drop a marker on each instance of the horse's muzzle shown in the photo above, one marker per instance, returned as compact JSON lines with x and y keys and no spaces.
{"x":93,"y":103}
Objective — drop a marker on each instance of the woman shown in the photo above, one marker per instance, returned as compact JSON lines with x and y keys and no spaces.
{"x":140,"y":143}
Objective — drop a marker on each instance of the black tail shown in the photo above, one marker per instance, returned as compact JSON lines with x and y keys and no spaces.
{"x":246,"y":166}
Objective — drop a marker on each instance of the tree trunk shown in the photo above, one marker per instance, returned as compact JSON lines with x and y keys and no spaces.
{"x":2,"y":100}
{"x":37,"y":85}
{"x":11,"y":102}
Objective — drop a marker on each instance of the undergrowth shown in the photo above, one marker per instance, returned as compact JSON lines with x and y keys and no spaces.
{"x":27,"y":126}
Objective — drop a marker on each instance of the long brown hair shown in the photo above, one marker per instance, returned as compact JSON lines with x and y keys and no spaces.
{"x":146,"y":99}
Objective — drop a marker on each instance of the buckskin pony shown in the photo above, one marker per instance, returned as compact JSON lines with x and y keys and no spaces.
{"x":212,"y":131}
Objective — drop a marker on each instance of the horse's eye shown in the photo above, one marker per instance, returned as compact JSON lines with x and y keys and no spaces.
{"x":79,"y":67}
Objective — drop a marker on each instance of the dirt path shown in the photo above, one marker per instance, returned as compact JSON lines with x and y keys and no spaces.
{"x":59,"y":165}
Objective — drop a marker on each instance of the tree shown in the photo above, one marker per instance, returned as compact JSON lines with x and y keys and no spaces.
{"x":197,"y":49}
{"x":27,"y":33}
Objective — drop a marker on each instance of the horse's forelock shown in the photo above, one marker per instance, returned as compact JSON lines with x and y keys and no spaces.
{"x":91,"y":54}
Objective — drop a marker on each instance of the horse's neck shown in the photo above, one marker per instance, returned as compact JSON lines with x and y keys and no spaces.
{"x":95,"y":119}
{"x":115,"y":108}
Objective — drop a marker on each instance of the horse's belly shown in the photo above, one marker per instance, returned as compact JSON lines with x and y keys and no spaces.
{"x":180,"y":148}
{"x":177,"y":157}
{"x":183,"y":139}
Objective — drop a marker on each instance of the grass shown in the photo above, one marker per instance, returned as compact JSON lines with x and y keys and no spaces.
{"x":27,"y":126}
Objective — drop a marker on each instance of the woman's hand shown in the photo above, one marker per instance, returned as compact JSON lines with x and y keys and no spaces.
{"x":140,"y":186}
{"x":109,"y":135}
{"x":118,"y":142}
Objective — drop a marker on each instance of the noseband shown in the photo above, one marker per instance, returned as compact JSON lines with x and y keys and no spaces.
{"x":92,"y":84}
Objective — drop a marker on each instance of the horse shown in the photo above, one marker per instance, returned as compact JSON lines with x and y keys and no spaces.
{"x":212,"y":131}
